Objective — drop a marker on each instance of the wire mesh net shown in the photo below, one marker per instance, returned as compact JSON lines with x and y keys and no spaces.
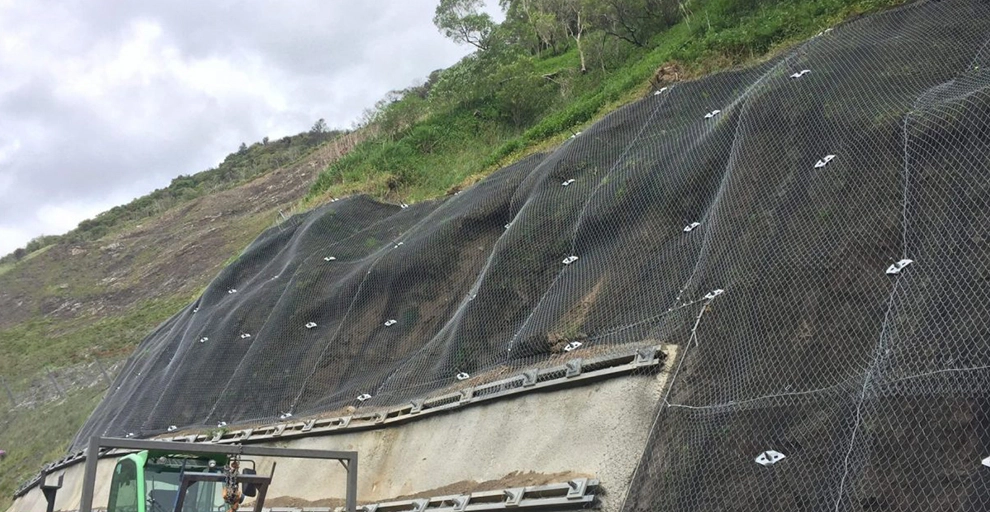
{"x":761,"y":219}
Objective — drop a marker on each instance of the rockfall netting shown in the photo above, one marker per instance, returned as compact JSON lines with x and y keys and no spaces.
{"x":813,"y":232}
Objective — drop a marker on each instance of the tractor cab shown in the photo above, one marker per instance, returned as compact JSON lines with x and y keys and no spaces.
{"x":158,"y":481}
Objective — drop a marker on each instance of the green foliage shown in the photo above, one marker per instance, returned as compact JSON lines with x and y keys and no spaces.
{"x":34,"y":245}
{"x":214,"y":432}
{"x":407,"y":159}
{"x":633,"y":21}
{"x":523,"y":94}
{"x":461,"y":21}
{"x":551,"y":67}
{"x":320,"y":126}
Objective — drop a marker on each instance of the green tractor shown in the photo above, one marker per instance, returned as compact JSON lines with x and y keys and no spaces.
{"x":169,"y":476}
{"x":165,"y":481}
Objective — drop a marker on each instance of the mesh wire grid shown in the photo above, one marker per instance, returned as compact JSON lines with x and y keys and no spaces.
{"x":748,"y":217}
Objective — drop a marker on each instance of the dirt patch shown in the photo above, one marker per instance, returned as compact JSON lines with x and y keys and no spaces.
{"x":568,"y":328}
{"x":670,"y":73}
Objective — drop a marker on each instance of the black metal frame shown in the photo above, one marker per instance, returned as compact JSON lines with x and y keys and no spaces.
{"x":347,"y":458}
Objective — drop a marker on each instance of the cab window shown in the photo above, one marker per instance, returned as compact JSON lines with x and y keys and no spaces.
{"x":163,"y":483}
{"x":163,"y":488}
{"x":123,"y":488}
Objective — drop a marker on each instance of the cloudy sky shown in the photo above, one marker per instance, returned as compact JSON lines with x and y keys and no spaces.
{"x":104,"y":101}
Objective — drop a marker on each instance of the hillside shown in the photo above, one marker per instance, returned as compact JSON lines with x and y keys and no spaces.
{"x":795,"y":253}
{"x":532,"y":85}
{"x":808,"y":230}
{"x":78,"y":303}
{"x":70,"y":304}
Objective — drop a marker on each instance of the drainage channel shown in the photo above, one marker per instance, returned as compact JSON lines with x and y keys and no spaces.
{"x":577,"y":493}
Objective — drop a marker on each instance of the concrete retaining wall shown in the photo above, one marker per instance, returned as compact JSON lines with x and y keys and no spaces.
{"x":598,"y":429}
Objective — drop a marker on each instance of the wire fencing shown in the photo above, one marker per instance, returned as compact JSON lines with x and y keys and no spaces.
{"x":813,"y":232}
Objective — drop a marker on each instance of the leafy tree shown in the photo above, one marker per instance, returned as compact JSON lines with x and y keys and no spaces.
{"x":634,"y":21}
{"x":550,"y":23}
{"x":462,"y":21}
{"x":522,"y":94}
{"x":534,"y":25}
{"x":575,"y":22}
{"x":458,"y":83}
{"x":319,"y":127}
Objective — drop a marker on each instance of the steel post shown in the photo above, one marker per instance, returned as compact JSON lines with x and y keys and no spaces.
{"x":89,"y":478}
{"x":352,"y":483}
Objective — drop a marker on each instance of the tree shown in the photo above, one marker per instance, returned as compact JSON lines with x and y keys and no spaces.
{"x":319,"y":127}
{"x":522,"y":94}
{"x":553,"y":22}
{"x":242,"y":148}
{"x":463,"y":22}
{"x":634,"y":21}
{"x":571,"y":12}
{"x":547,"y":29}
{"x":533,"y":22}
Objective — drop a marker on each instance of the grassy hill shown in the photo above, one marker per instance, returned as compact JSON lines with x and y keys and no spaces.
{"x":500,"y":104}
{"x":86,"y":297}
{"x":98,"y":290}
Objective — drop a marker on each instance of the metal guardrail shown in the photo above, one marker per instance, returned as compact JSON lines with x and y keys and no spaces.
{"x":572,"y":371}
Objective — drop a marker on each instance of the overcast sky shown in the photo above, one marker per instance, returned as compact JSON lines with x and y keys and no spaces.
{"x":104,"y":101}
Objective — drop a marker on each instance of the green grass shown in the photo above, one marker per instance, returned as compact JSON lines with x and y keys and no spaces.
{"x":29,"y":445}
{"x":28,"y":348}
{"x":467,"y":142}
{"x":46,"y":341}
{"x":8,"y":264}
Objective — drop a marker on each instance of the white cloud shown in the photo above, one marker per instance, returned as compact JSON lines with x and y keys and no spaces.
{"x":10,"y":238}
{"x":104,"y":101}
{"x":59,"y":218}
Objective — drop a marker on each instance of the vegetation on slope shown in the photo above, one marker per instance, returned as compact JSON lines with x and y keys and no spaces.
{"x":77,"y":300}
{"x":42,"y":435}
{"x":551,"y":67}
